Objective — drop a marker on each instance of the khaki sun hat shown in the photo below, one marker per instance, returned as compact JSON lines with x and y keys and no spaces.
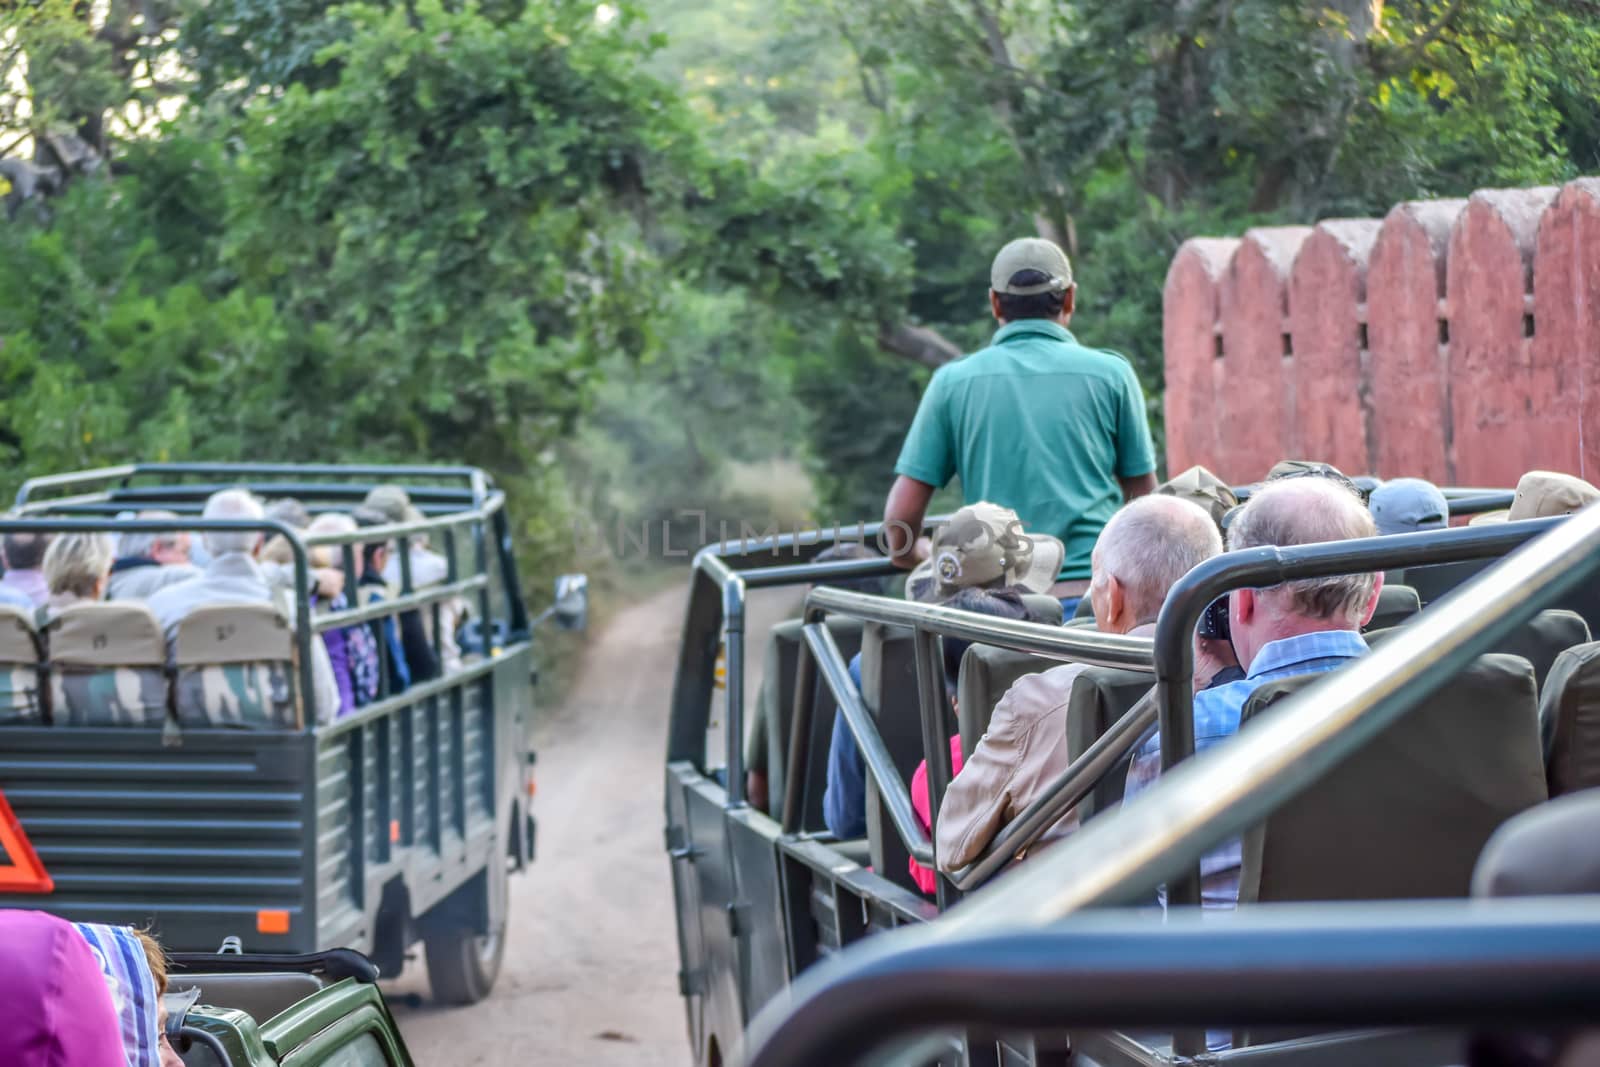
{"x":1200,"y":486}
{"x":1543,"y":495}
{"x":983,"y":546}
{"x":1031,"y":254}
{"x":393,"y":503}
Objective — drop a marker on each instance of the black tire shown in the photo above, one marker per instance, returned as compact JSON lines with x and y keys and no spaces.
{"x":463,"y":965}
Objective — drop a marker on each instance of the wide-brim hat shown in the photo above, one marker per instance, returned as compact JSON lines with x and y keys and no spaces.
{"x":984,"y":546}
{"x":1200,"y":486}
{"x":1543,"y":495}
{"x":393,"y":503}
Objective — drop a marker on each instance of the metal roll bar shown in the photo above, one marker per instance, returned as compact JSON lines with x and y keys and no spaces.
{"x":1438,"y":963}
{"x":474,"y":476}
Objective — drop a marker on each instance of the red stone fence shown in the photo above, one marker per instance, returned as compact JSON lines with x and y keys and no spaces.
{"x":1455,"y":340}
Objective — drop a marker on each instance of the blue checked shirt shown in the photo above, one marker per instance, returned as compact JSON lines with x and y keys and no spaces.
{"x":1216,"y":716}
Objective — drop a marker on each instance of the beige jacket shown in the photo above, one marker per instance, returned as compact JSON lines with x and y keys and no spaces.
{"x":1020,"y":754}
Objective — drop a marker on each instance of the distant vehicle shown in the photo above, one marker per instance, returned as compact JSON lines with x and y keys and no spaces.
{"x":316,"y":1010}
{"x":769,"y":899}
{"x":398,"y":823}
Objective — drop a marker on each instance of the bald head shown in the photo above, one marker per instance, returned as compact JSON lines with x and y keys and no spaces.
{"x":1307,"y":511}
{"x":1148,"y":545}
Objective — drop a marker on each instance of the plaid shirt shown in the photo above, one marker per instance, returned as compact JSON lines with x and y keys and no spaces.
{"x":1216,"y":716}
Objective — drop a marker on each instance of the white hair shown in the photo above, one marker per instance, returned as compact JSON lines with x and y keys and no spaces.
{"x":232,"y":504}
{"x":1150,"y":544}
{"x":1308,"y":511}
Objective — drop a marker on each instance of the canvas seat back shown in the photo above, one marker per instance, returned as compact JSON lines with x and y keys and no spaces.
{"x":1569,"y":715}
{"x":776,"y":705}
{"x":235,"y":667}
{"x":22,"y":700}
{"x":107,"y":666}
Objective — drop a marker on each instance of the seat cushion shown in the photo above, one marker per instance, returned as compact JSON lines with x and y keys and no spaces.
{"x":108,"y":696}
{"x":244,"y":695}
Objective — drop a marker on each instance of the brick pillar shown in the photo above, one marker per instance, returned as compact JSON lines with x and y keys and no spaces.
{"x":1327,"y":322}
{"x":1256,"y":411}
{"x":1489,"y":278}
{"x":1564,"y":425}
{"x":1192,"y":341}
{"x":1407,"y":345}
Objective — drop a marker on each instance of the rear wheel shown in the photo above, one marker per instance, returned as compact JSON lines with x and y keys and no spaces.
{"x":463,"y":964}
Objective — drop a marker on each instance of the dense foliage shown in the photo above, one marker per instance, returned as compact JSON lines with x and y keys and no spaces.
{"x":646,"y":261}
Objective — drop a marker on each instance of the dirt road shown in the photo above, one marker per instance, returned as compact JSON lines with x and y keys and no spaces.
{"x":591,"y":966}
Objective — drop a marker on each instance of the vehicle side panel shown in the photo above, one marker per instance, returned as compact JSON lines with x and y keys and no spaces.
{"x":196,"y":837}
{"x":763,"y":957}
{"x":686,"y":898}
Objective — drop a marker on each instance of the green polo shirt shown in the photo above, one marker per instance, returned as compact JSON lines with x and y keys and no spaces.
{"x":1039,"y":424}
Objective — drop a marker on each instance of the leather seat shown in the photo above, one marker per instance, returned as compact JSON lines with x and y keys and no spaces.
{"x":775,"y":703}
{"x":1101,"y":696}
{"x":1569,"y":714}
{"x":1553,"y":848}
{"x":1396,"y":604}
{"x":889,"y":689}
{"x":1408,"y":814}
{"x":1539,"y":641}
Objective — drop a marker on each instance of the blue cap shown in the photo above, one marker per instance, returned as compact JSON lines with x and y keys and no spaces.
{"x":1405,"y":505}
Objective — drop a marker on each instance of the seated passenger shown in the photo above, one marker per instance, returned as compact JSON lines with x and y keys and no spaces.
{"x":427,"y":568}
{"x":76,"y":568}
{"x":1199,"y":486}
{"x":1143,"y":550}
{"x":232,"y":576}
{"x":135,"y":973}
{"x":1544,"y":495}
{"x":58,"y":1011}
{"x":23,"y":583}
{"x":411,"y":657}
{"x":1301,"y":627}
{"x":147,"y":562}
{"x":293,"y":514}
{"x":981,"y":547}
{"x":352,"y":650}
{"x":1406,"y":505}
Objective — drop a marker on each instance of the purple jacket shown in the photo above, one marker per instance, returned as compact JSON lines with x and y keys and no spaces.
{"x":58,"y":1010}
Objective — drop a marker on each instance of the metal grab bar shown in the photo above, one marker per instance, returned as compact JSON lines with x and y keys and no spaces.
{"x":1267,"y":566}
{"x":125,"y":471}
{"x":1222,"y":792}
{"x":896,"y":794}
{"x":1064,"y":793}
{"x":1435,"y":963}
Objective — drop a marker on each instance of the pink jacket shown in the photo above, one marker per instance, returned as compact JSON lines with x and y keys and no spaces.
{"x":58,"y":1011}
{"x":925,"y":879}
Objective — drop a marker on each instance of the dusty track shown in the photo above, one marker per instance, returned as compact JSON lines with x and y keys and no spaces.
{"x":590,"y":970}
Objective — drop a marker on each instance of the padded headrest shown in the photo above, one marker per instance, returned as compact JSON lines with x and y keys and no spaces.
{"x":19,"y":643}
{"x":233,"y":633}
{"x":1042,"y":607}
{"x":1549,"y":849}
{"x":1396,"y":604}
{"x":120,"y":634}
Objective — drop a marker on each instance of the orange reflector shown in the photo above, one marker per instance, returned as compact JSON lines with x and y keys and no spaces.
{"x":394,"y":829}
{"x":272,"y":922}
{"x":533,"y":787}
{"x":20,"y":869}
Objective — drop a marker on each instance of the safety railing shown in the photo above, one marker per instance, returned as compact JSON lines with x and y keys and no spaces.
{"x":237,"y":473}
{"x":1160,"y":835}
{"x":1453,"y":964}
{"x":307,"y":623}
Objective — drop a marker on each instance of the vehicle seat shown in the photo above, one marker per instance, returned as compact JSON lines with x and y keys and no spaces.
{"x":987,"y":673}
{"x":21,"y":696}
{"x":1539,"y":641}
{"x":235,"y":665}
{"x":1043,"y":608}
{"x":776,"y":703}
{"x":1436,"y":579}
{"x":1101,"y":696}
{"x":1407,"y":815}
{"x":1396,"y":604}
{"x":260,"y":996}
{"x":1553,"y":848}
{"x":889,"y":689}
{"x":108,"y":666}
{"x":1569,"y":716}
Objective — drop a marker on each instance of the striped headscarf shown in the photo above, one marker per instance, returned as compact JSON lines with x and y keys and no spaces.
{"x":126,"y":969}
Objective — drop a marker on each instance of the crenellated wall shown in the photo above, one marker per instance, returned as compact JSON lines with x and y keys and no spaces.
{"x":1456,"y":340}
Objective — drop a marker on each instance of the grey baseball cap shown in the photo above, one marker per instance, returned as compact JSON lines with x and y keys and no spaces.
{"x":1404,"y":505}
{"x":1031,"y":254}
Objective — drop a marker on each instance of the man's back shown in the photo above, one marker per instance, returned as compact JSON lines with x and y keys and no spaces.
{"x":230,"y":578}
{"x":1040,"y":424}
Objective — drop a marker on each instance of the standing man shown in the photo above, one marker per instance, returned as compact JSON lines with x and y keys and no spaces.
{"x":1035,"y":422}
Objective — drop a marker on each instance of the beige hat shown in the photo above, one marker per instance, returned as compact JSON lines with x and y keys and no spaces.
{"x":1543,"y":495}
{"x":393,"y":503}
{"x":983,"y":546}
{"x":1200,"y":486}
{"x":1035,"y":254}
